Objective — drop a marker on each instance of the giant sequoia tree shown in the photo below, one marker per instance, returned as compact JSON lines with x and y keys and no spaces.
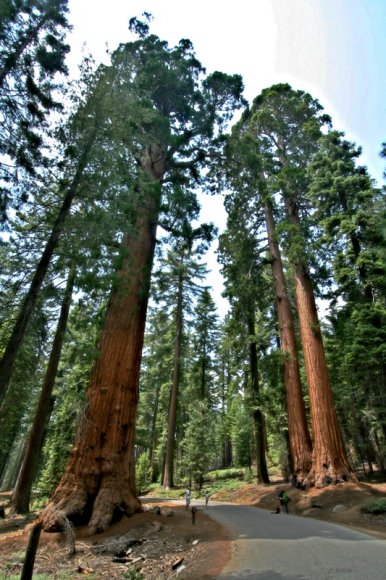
{"x":184,"y":110}
{"x":287,"y":124}
{"x":247,"y":173}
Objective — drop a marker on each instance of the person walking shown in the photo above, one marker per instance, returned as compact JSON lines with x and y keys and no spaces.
{"x":284,"y":499}
{"x":188,"y":495}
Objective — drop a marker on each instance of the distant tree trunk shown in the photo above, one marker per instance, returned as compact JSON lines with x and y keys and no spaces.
{"x":22,"y":493}
{"x":257,"y":416}
{"x":203,"y":374}
{"x":329,"y":454}
{"x":17,"y":335}
{"x":4,"y":457}
{"x":379,"y":450}
{"x":298,"y":435}
{"x":168,"y":479}
{"x":153,"y":441}
{"x":99,"y":480}
{"x":11,"y":468}
{"x":227,"y":453}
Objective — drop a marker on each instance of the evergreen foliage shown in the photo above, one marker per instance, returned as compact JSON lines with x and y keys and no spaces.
{"x":32,"y":52}
{"x":198,"y":443}
{"x":143,"y":135}
{"x":142,"y":473}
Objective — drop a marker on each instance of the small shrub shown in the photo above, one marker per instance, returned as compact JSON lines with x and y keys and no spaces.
{"x":39,"y":502}
{"x":158,"y":491}
{"x":376,"y":507}
{"x":143,"y":473}
{"x":249,"y":477}
{"x":233,"y":472}
{"x":225,"y":487}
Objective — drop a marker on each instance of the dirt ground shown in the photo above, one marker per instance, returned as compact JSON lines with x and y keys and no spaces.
{"x":167,"y":544}
{"x":164,"y":545}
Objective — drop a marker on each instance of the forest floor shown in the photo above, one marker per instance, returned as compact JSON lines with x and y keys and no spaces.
{"x":167,"y":545}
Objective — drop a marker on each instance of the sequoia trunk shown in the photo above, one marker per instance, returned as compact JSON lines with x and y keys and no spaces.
{"x":329,"y":455}
{"x":298,"y":434}
{"x":99,"y":480}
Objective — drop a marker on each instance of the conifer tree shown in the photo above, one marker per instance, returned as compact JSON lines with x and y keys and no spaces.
{"x":246,"y":171}
{"x":32,"y":52}
{"x":16,"y":408}
{"x":21,"y":495}
{"x":197,"y":444}
{"x":80,"y":136}
{"x":183,"y":273}
{"x":155,"y":385}
{"x":288,"y":125}
{"x":184,"y":111}
{"x":241,"y":260}
{"x":224,"y":373}
{"x":205,"y":336}
{"x":348,"y":211}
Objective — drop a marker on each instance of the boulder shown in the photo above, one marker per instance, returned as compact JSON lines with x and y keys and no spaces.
{"x":339,"y":508}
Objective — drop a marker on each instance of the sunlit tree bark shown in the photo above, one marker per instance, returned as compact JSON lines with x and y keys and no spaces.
{"x":99,"y":481}
{"x":287,"y":125}
{"x":298,"y":434}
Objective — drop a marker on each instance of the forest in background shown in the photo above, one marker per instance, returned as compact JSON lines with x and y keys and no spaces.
{"x":98,"y":184}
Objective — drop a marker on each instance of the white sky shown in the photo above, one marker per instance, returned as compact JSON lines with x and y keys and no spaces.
{"x":334,"y":49}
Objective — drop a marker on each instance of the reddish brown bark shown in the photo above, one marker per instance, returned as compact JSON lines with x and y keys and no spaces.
{"x":329,"y":455}
{"x":99,"y":480}
{"x":298,"y":434}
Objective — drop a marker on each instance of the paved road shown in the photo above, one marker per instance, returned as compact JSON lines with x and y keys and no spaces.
{"x":267,"y":546}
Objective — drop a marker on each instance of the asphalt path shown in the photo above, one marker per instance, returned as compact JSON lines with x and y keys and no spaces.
{"x":270,"y":546}
{"x":267,"y":546}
